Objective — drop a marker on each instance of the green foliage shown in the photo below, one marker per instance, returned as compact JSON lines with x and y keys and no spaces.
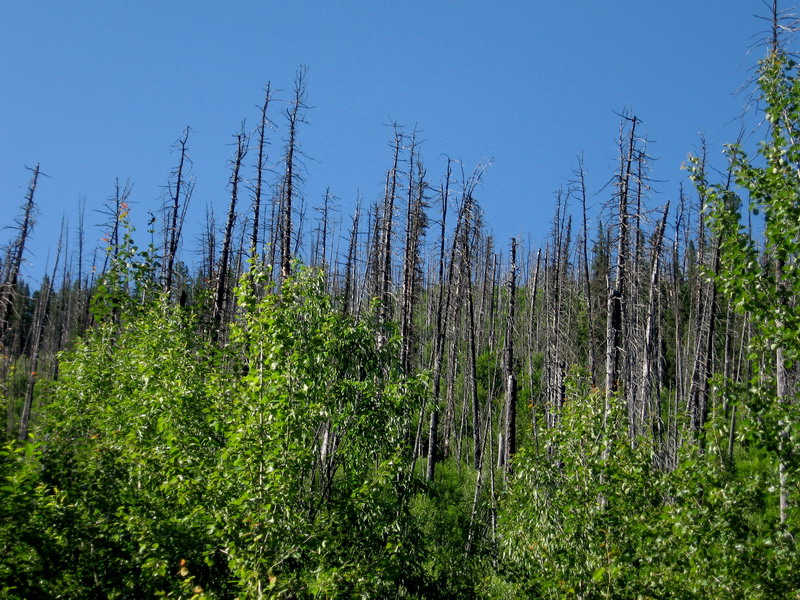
{"x":442,"y":513}
{"x":129,"y":435}
{"x":593,"y":518}
{"x":765,"y":283}
{"x":131,"y":281}
{"x":567,"y":527}
{"x":29,"y":537}
{"x":279,"y":465}
{"x":314,"y":479}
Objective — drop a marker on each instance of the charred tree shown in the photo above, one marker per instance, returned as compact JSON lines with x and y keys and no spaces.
{"x":13,"y":261}
{"x":508,"y":362}
{"x":261,"y":165}
{"x":221,"y":295}
{"x":292,"y":178}
{"x":175,"y":211}
{"x":442,"y":306}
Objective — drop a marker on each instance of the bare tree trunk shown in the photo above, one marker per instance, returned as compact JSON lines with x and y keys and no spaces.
{"x":616,"y":300}
{"x":221,"y":296}
{"x":13,"y":262}
{"x":649,"y":400}
{"x":581,"y":173}
{"x":442,"y":307}
{"x":511,"y":381}
{"x":350,"y":265}
{"x":531,"y":339}
{"x":295,"y":117}
{"x":176,"y":212}
{"x":466,"y":276}
{"x":704,"y":354}
{"x":387,"y":222}
{"x":210,"y":246}
{"x":321,"y":250}
{"x":415,"y":226}
{"x":39,"y":321}
{"x":260,"y":168}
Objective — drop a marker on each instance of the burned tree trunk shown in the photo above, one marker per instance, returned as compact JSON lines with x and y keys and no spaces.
{"x":350,"y":265}
{"x":649,"y":401}
{"x":416,"y":223}
{"x":260,"y":168}
{"x":39,"y":322}
{"x":510,"y":376}
{"x":291,"y":177}
{"x":615,"y":317}
{"x":581,"y":173}
{"x":175,"y":212}
{"x":386,"y":233}
{"x":221,"y":296}
{"x":13,"y":261}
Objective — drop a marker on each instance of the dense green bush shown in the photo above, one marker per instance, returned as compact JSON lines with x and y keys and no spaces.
{"x":279,"y":465}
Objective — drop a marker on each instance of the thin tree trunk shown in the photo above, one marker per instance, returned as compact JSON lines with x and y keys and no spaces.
{"x":176,"y":213}
{"x":295,"y":118}
{"x":40,"y":320}
{"x":13,"y":262}
{"x":221,"y":296}
{"x":260,"y":168}
{"x":510,"y":377}
{"x":441,"y":323}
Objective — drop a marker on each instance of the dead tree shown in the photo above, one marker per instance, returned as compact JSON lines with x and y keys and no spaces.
{"x":13,"y":261}
{"x":320,"y":251}
{"x":471,"y":231}
{"x":555,"y":362}
{"x":175,"y":211}
{"x":292,"y":177}
{"x":221,"y":295}
{"x":209,"y":248}
{"x":581,"y":183}
{"x":416,"y":223}
{"x":532,"y":320}
{"x":508,"y":362}
{"x":37,"y":332}
{"x":616,"y":309}
{"x":261,"y":161}
{"x":705,"y":307}
{"x":387,"y":230}
{"x":350,"y":264}
{"x":442,"y":306}
{"x":649,"y":402}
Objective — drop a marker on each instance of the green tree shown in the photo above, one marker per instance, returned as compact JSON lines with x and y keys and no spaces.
{"x":763,"y":279}
{"x":313,"y":484}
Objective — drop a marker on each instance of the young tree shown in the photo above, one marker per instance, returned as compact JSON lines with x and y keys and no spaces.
{"x":766,"y":284}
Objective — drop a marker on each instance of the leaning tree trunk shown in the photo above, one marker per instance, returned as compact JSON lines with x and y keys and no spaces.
{"x":13,"y":262}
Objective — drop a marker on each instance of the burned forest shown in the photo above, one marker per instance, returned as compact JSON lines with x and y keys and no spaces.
{"x":389,"y":401}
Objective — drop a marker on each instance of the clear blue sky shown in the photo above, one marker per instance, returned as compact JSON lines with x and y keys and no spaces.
{"x":98,"y":89}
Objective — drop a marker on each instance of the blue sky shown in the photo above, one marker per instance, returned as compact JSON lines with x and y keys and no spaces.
{"x":95,"y":90}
